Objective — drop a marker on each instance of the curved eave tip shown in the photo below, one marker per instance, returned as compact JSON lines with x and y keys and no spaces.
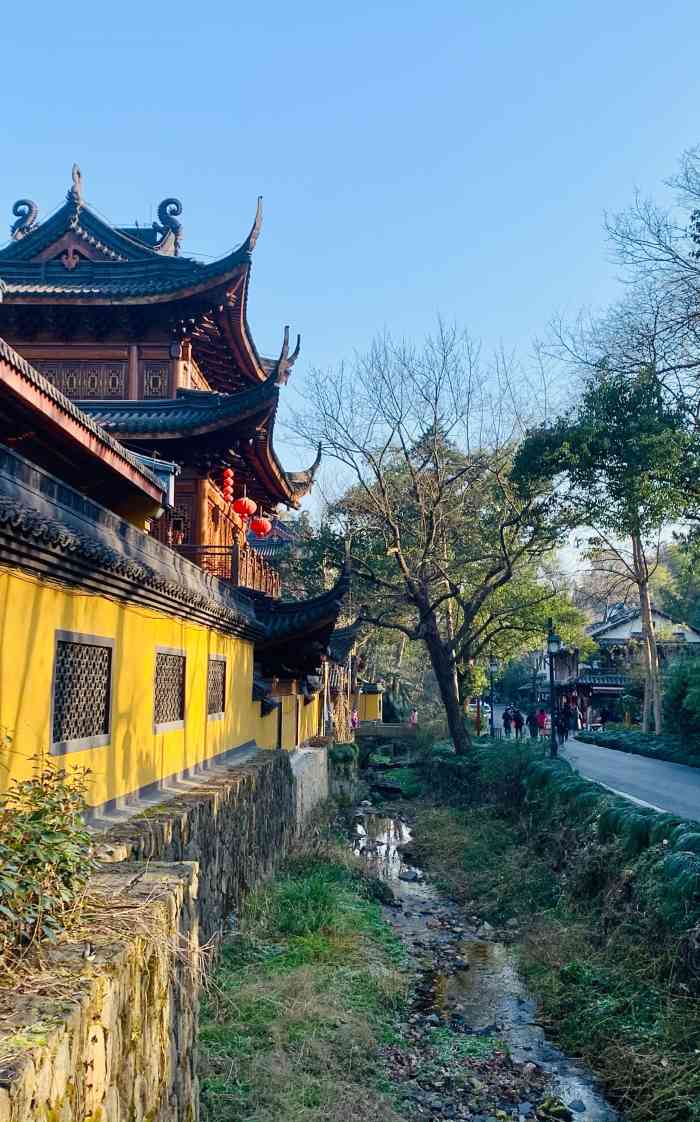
{"x":249,"y":243}
{"x":286,"y":360}
{"x":317,"y":462}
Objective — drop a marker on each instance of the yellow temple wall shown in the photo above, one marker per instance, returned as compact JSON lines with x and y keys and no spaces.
{"x":369,"y":706}
{"x":32,"y":611}
{"x":309,"y":718}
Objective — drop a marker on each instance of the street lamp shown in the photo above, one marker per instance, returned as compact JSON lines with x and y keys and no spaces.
{"x":553,"y":648}
{"x":493,"y":663}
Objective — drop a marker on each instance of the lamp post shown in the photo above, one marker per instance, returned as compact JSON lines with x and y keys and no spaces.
{"x":493,"y":663}
{"x":553,"y":648}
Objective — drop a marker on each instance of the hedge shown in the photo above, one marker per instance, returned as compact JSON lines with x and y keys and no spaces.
{"x":673,"y":749}
{"x":663,"y":848}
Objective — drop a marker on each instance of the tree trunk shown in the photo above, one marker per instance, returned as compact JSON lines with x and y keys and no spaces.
{"x":443,"y":666}
{"x":450,"y":623}
{"x":652,"y":677}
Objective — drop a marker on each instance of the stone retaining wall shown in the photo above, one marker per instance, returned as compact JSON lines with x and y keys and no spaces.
{"x":115,"y":1039}
{"x":235,"y":823}
{"x":310,"y":771}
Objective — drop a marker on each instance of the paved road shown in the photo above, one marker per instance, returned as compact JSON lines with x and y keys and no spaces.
{"x":664,"y":786}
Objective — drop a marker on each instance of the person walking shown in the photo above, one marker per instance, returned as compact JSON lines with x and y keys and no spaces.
{"x":507,"y":721}
{"x":541,"y":721}
{"x":532,"y":725}
{"x":563,"y":726}
{"x":413,"y":719}
{"x":518,"y":722}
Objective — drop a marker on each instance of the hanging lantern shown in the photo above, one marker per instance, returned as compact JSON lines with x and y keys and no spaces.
{"x":227,"y":484}
{"x":261,"y":527}
{"x":245,"y":507}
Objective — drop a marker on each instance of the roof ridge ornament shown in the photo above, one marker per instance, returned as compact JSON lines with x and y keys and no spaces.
{"x":249,"y":243}
{"x":75,"y":194}
{"x":26,"y":212}
{"x":286,"y":360}
{"x":168,"y":212}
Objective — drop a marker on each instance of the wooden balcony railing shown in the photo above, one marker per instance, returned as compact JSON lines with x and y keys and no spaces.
{"x":242,"y":566}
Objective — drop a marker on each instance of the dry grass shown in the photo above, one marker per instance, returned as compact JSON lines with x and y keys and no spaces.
{"x":38,"y":987}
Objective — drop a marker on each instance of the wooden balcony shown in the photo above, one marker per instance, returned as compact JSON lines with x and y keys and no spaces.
{"x":240,"y":565}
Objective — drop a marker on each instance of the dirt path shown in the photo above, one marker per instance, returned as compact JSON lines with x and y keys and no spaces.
{"x":472,"y":1047}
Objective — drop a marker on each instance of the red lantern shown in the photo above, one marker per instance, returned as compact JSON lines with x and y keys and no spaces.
{"x":261,"y":527}
{"x":228,"y":484}
{"x":245,"y":507}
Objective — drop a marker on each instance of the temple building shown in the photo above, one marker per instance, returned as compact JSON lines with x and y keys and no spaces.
{"x":143,"y":634}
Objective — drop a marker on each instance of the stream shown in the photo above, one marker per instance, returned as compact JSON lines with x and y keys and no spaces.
{"x":468,"y":981}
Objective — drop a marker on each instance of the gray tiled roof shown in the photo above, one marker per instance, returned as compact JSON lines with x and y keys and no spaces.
{"x":190,"y":412}
{"x":129,"y":264}
{"x":601,"y":678}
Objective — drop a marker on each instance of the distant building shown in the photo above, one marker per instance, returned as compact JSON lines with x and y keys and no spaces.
{"x":621,"y":629}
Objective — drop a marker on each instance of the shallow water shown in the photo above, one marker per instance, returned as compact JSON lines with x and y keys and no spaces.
{"x":487,"y":993}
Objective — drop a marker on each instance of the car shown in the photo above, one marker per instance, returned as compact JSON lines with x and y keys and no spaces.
{"x":483,"y":707}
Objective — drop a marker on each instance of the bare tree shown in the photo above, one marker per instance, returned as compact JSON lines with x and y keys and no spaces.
{"x":434,"y":525}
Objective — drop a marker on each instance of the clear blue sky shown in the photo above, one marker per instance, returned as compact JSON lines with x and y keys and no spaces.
{"x":415,"y":159}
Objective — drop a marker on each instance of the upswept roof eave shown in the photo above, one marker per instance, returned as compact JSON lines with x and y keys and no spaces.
{"x":163,"y":290}
{"x":284,"y":621}
{"x":209,"y":412}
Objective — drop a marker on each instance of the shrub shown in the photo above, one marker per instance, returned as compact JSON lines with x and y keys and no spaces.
{"x":494,"y":771}
{"x":45,"y":855}
{"x":343,"y":758}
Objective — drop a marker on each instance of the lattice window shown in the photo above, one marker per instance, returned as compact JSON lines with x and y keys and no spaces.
{"x":216,"y":687}
{"x":81,"y":691}
{"x":86,"y":379}
{"x":169,"y":689}
{"x":156,"y":379}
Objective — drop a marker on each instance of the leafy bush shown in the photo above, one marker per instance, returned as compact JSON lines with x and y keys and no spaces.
{"x":343,"y":758}
{"x":493,"y":772}
{"x":45,"y":855}
{"x":682,"y":699}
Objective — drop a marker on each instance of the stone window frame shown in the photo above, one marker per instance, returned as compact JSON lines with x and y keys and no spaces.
{"x":100,"y":740}
{"x":170,"y":726}
{"x":224,"y":659}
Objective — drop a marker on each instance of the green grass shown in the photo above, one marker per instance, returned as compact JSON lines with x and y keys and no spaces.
{"x":616,"y":984}
{"x":301,"y":999}
{"x":408,"y":779}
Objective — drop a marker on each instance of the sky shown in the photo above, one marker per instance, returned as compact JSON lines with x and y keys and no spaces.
{"x":415,"y":160}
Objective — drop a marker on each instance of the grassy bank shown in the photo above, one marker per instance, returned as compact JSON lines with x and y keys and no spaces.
{"x":300,"y":1000}
{"x":606,"y":901}
{"x":674,"y":749}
